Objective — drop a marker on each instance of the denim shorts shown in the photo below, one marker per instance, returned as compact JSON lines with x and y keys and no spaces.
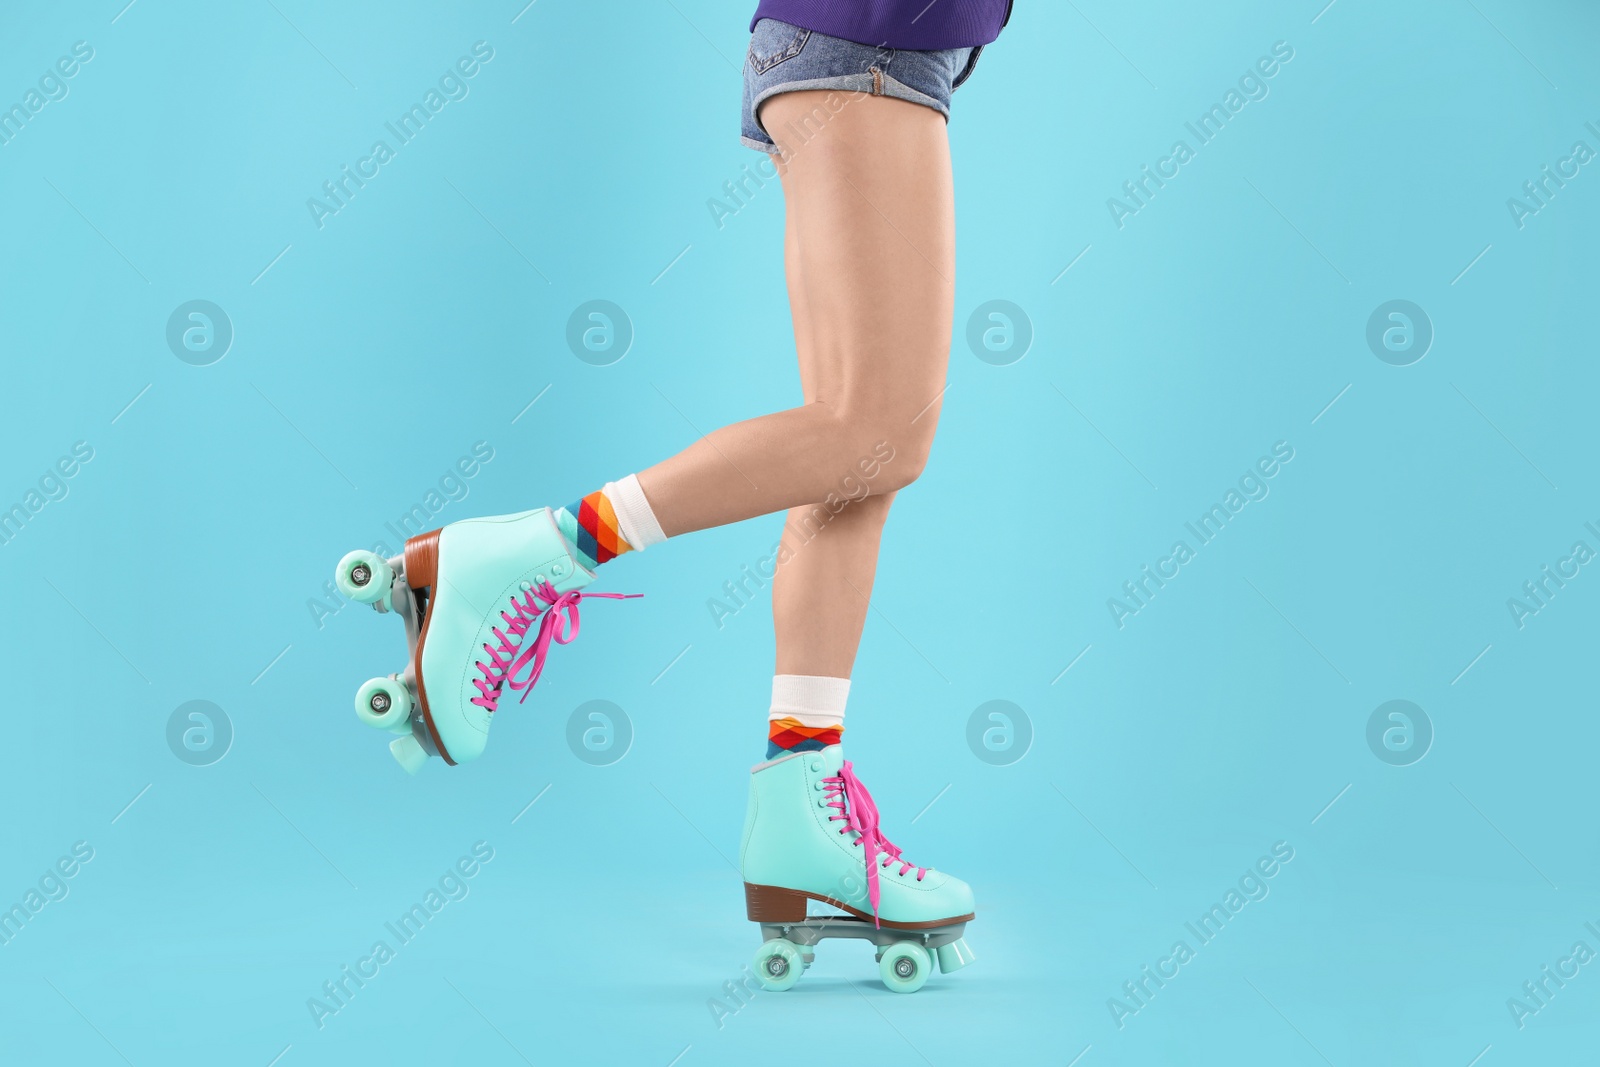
{"x":785,"y":58}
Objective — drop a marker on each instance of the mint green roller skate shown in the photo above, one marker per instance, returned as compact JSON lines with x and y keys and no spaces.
{"x":811,"y":833}
{"x":482,"y":601}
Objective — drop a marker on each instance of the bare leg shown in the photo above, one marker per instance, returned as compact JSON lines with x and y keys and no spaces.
{"x":821,"y":590}
{"x":871,"y":204}
{"x":819,"y":596}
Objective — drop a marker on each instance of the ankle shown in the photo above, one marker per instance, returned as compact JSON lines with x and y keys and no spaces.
{"x":807,"y":713}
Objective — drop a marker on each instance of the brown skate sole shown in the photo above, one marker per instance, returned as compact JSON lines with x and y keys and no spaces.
{"x":422,"y":570}
{"x":771,"y":904}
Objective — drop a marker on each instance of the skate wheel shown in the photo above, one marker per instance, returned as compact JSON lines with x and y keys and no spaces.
{"x":778,"y":965}
{"x":409,"y":753}
{"x":905,"y":966}
{"x":384,"y":703}
{"x":364,"y":577}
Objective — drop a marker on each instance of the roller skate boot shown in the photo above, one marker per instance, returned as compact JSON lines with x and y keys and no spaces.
{"x":482,"y":601}
{"x":811,"y":834}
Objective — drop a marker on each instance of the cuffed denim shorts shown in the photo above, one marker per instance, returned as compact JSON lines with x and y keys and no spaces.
{"x":785,"y":58}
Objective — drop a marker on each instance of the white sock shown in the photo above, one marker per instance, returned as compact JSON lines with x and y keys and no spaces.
{"x":637,"y":522}
{"x":811,"y":700}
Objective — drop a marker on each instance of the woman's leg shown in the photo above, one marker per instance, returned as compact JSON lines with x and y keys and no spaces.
{"x":821,"y":589}
{"x":870,"y":199}
{"x":825,"y":574}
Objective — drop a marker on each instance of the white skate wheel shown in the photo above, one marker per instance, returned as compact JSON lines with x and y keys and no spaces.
{"x":905,"y":966}
{"x":364,"y":577}
{"x":954,"y":956}
{"x":408,"y":753}
{"x":384,"y":703}
{"x":778,"y":964}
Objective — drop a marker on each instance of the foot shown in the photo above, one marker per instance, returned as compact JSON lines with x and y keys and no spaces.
{"x":483,"y":599}
{"x":811,"y":833}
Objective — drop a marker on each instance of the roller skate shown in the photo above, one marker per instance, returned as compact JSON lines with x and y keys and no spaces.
{"x":482,"y":601}
{"x":811,"y":834}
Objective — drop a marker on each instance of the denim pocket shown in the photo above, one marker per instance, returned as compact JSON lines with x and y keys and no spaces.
{"x":967,"y":68}
{"x":773,"y":42}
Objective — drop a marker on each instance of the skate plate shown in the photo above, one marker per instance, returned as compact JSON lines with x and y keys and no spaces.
{"x":905,"y":957}
{"x":817,"y":927}
{"x":415,"y":743}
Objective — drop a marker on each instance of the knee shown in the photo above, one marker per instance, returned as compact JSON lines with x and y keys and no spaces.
{"x":887,"y":446}
{"x":893,"y":427}
{"x":898,"y":456}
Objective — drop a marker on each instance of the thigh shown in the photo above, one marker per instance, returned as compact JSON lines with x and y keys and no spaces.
{"x":816,"y":377}
{"x":871,"y":242}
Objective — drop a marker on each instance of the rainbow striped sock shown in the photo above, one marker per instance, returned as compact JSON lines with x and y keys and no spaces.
{"x":791,"y":735}
{"x":614,"y":519}
{"x":591,"y":525}
{"x":807,"y":713}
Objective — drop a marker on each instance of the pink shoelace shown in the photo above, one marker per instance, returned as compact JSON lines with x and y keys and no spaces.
{"x":557,"y":617}
{"x":845,"y":792}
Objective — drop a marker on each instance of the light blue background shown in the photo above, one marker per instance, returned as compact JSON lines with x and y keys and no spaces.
{"x":371,"y":353}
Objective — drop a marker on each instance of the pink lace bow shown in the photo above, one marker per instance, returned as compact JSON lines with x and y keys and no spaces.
{"x":557,"y":617}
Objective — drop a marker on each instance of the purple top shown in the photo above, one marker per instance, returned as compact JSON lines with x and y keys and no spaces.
{"x":913,"y":24}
